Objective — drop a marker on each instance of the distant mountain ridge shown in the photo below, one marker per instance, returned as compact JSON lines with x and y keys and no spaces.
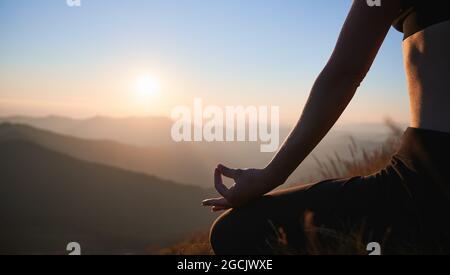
{"x":169,"y":164}
{"x":139,"y":131}
{"x":150,"y":131}
{"x":145,"y":145}
{"x":48,"y":199}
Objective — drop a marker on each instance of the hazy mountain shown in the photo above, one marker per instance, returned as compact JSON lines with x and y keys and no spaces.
{"x":154,"y":131}
{"x":139,"y":131}
{"x":191,"y":163}
{"x":48,"y":199}
{"x":174,"y":163}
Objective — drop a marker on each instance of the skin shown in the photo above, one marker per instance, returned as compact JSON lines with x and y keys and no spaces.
{"x":426,"y":68}
{"x":355,"y":51}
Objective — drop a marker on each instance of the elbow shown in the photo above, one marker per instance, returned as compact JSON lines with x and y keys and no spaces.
{"x":347,"y":75}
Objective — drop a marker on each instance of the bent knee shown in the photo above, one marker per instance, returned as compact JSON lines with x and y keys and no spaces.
{"x":221,"y":234}
{"x":240,"y":232}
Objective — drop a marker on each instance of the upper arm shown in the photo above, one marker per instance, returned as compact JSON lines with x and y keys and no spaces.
{"x":361,"y":37}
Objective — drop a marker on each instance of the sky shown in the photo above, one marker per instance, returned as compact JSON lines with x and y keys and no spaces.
{"x":145,"y":57}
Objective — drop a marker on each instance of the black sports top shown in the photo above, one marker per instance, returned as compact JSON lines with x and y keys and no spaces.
{"x":417,"y":15}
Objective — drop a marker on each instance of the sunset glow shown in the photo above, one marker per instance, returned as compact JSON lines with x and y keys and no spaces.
{"x":146,"y":87}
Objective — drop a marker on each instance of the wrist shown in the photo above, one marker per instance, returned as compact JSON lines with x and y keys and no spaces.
{"x":273,"y":175}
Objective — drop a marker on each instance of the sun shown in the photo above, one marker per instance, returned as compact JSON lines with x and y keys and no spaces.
{"x":146,"y":87}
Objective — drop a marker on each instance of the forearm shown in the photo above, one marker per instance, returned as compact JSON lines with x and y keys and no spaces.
{"x":329,"y":97}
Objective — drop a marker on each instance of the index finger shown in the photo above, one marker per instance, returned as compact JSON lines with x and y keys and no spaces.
{"x":218,"y":184}
{"x":216,"y":202}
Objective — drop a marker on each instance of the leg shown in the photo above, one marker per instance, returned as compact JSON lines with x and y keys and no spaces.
{"x":253,"y":228}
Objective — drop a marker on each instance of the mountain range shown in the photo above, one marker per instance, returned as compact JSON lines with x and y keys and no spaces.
{"x":145,"y":145}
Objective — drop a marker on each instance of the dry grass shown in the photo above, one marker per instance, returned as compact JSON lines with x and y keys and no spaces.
{"x":197,"y":244}
{"x":362,"y":162}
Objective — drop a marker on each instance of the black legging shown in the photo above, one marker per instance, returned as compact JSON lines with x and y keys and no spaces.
{"x":405,"y":207}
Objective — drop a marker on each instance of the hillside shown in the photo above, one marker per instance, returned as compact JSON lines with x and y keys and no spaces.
{"x":48,"y":199}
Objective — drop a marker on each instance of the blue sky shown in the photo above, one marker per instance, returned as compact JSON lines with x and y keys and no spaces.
{"x":82,"y":61}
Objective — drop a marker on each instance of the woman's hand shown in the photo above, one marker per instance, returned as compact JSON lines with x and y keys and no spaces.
{"x":249,"y":184}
